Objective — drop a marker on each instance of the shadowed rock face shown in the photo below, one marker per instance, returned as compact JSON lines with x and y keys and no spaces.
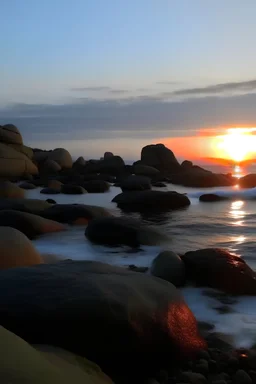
{"x":122,"y":320}
{"x":160,"y":157}
{"x":217,"y":268}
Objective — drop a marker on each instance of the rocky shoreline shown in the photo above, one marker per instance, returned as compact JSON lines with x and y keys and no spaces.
{"x":133,"y":323}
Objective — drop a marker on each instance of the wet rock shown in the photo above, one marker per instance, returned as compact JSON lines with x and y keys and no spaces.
{"x":96,"y":186}
{"x":211,"y":197}
{"x":169,"y":266}
{"x":138,"y":269}
{"x":50,"y":191}
{"x":159,"y":184}
{"x":241,"y":377}
{"x":69,"y":303}
{"x":29,"y":224}
{"x":10,"y":190}
{"x":72,"y":189}
{"x":135,"y":183}
{"x":217,"y":268}
{"x":27,"y":186}
{"x":151,"y":201}
{"x":55,"y":184}
{"x":192,"y":378}
{"x":114,"y":231}
{"x":51,"y":201}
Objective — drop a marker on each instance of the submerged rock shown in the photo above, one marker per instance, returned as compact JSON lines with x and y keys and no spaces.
{"x":112,"y":316}
{"x":217,"y":268}
{"x":116,"y":231}
{"x":212,"y":197}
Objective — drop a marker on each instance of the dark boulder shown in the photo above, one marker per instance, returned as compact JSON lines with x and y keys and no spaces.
{"x":135,"y":183}
{"x":50,"y":167}
{"x":72,"y":189}
{"x":112,"y":316}
{"x":107,"y":155}
{"x":51,"y":201}
{"x":169,"y":266}
{"x":217,"y":268}
{"x":100,"y":176}
{"x":113,"y":165}
{"x":35,"y":206}
{"x":248,"y":181}
{"x":151,"y":200}
{"x":50,"y":191}
{"x":79,"y":163}
{"x":114,"y":231}
{"x":96,"y":186}
{"x":10,"y":190}
{"x":197,"y":177}
{"x":186,"y":165}
{"x":73,"y":213}
{"x":145,"y":170}
{"x":29,"y":224}
{"x":212,"y":197}
{"x":27,"y":186}
{"x":159,"y":184}
{"x":160,"y":157}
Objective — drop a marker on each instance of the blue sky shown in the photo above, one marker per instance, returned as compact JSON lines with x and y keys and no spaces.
{"x":138,"y":51}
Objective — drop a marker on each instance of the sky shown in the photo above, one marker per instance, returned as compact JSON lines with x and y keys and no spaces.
{"x":112,"y":74}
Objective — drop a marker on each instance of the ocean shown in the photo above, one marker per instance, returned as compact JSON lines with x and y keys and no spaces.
{"x":228,"y":224}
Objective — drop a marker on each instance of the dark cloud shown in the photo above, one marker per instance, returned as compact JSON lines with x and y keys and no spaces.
{"x":243,"y":86}
{"x":91,"y":89}
{"x":118,"y":91}
{"x":168,"y":82}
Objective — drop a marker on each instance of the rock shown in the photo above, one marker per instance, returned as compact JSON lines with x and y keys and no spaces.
{"x":135,"y":183}
{"x":44,"y":364}
{"x":145,"y":170}
{"x":14,"y":164}
{"x":10,"y":190}
{"x":160,"y":157}
{"x":217,"y":268}
{"x":112,"y":165}
{"x":151,"y":200}
{"x":212,"y":197}
{"x":16,"y":250}
{"x":169,"y":266}
{"x":219,"y":382}
{"x":114,"y":231}
{"x":193,"y":378}
{"x":79,"y":163}
{"x":96,"y":186}
{"x":248,"y":181}
{"x":27,"y":151}
{"x":51,"y":201}
{"x":72,"y":189}
{"x":10,"y":134}
{"x":241,"y":377}
{"x":29,"y":224}
{"x":197,"y":177}
{"x":108,"y":155}
{"x":58,"y":155}
{"x":202,"y":367}
{"x":50,"y":166}
{"x":159,"y":184}
{"x":66,"y":305}
{"x":55,"y":184}
{"x":186,"y":165}
{"x":133,"y":267}
{"x":27,"y":186}
{"x":50,"y":191}
{"x":25,"y":205}
{"x":71,"y":213}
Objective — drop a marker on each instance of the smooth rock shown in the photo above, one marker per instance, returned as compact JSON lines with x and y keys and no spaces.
{"x":25,"y":205}
{"x":94,"y":310}
{"x":169,"y":266}
{"x":10,"y":134}
{"x":96,"y":186}
{"x":145,"y":170}
{"x":50,"y":166}
{"x":14,"y":164}
{"x":135,"y":183}
{"x":241,"y":377}
{"x":72,"y":189}
{"x":192,"y":378}
{"x":212,"y":197}
{"x":55,"y":184}
{"x":247,"y":181}
{"x":50,"y":191}
{"x":10,"y":190}
{"x":160,"y":157}
{"x":27,"y":186}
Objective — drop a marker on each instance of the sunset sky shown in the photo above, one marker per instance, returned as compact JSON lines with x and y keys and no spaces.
{"x":116,"y":75}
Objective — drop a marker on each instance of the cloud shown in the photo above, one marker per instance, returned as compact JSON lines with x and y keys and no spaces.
{"x":118,"y":91}
{"x":243,"y":86}
{"x":168,"y":82}
{"x":90,"y":89}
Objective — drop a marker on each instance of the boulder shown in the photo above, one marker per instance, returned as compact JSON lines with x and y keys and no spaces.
{"x":159,"y":184}
{"x":217,"y":268}
{"x":248,"y":181}
{"x":145,"y":170}
{"x":14,"y":164}
{"x":44,"y":364}
{"x":29,"y":224}
{"x":186,"y":165}
{"x":10,"y":190}
{"x":27,"y":151}
{"x":197,"y":177}
{"x":55,"y":184}
{"x":60,"y":155}
{"x":51,"y":201}
{"x":50,"y":191}
{"x":72,"y":189}
{"x":25,"y":205}
{"x":27,"y":186}
{"x":96,"y":176}
{"x":10,"y":134}
{"x":151,"y":201}
{"x":212,"y":197}
{"x":113,"y":165}
{"x":115,"y":231}
{"x":74,"y":213}
{"x":79,"y":163}
{"x":160,"y":157}
{"x":16,"y":249}
{"x":135,"y":183}
{"x":96,"y":186}
{"x":169,"y":266}
{"x":50,"y":166}
{"x":112,"y":316}
{"x":107,"y":155}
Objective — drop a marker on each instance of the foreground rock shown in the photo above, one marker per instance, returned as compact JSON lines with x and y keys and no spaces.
{"x":197,"y":177}
{"x":94,"y":310}
{"x":217,"y":268}
{"x":35,"y":206}
{"x":44,"y":364}
{"x":9,"y":134}
{"x":10,"y":190}
{"x":16,"y":249}
{"x":116,"y":231}
{"x":96,"y":186}
{"x":145,"y":170}
{"x":74,"y":213}
{"x":29,"y":224}
{"x":169,"y":266}
{"x":212,"y":197}
{"x":151,"y":200}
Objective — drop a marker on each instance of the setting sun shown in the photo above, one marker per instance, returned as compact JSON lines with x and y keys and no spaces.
{"x":237,"y":144}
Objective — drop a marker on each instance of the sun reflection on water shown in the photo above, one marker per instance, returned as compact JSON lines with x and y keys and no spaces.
{"x":237,"y":214}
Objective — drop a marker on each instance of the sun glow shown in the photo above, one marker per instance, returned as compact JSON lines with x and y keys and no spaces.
{"x":237,"y":144}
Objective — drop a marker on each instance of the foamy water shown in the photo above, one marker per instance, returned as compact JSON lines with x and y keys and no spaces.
{"x":229,"y":224}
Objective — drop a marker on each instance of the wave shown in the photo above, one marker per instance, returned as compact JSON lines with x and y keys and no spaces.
{"x":232,"y":194}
